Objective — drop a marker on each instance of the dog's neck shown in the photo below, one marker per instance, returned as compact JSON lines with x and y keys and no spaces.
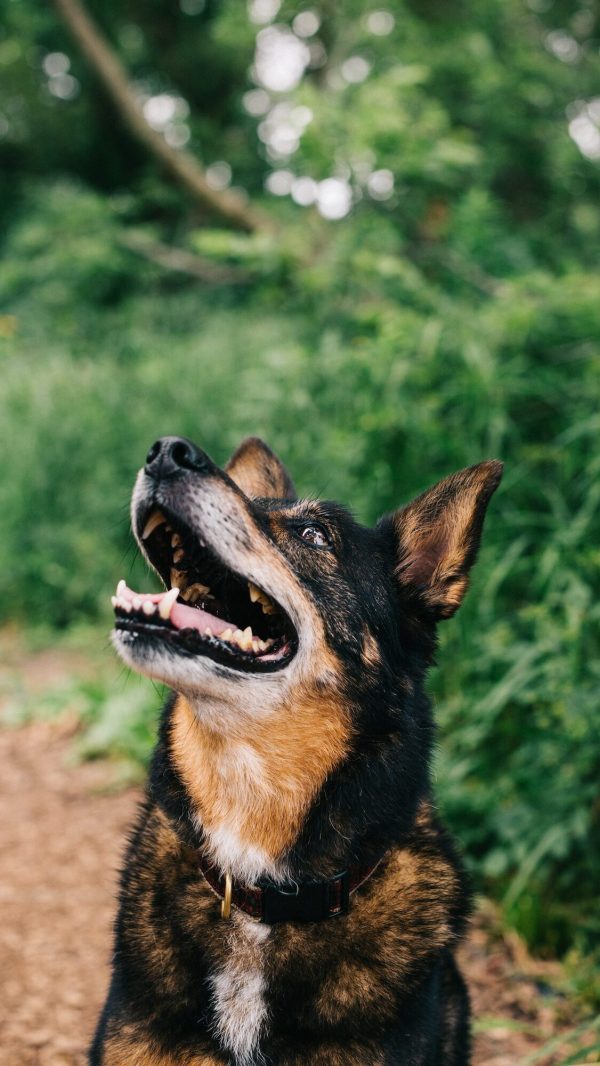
{"x":250,"y":788}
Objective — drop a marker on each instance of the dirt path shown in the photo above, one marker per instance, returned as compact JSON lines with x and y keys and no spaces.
{"x":61,"y":841}
{"x":62,"y":836}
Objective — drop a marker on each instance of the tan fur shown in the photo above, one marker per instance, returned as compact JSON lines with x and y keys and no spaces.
{"x":436,"y":532}
{"x":168,"y":864}
{"x":258,"y":472}
{"x":393,"y":908}
{"x":370,"y":650}
{"x":348,"y":1053}
{"x":265,"y":798}
{"x":130,"y":1047}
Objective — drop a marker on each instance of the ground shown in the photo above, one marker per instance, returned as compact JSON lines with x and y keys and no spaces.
{"x":63,"y":830}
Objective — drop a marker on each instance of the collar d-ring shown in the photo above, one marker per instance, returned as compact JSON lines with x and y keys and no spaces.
{"x":226,"y":901}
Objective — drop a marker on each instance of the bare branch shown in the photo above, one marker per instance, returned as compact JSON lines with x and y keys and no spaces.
{"x":181,"y":164}
{"x":183,"y":262}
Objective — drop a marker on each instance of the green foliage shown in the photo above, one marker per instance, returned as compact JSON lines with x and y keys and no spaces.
{"x":449,"y":317}
{"x":110,"y":708}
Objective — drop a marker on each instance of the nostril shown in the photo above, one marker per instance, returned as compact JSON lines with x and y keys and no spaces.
{"x":170,"y":456}
{"x":182,"y":455}
{"x":153,"y":453}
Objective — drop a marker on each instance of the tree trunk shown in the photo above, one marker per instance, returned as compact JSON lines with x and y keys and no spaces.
{"x":181,"y":164}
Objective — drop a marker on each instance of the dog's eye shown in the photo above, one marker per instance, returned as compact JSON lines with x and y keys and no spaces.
{"x":314,"y":535}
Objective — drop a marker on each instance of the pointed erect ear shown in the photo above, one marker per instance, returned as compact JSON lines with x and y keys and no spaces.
{"x":438,"y":534}
{"x":257,"y":471}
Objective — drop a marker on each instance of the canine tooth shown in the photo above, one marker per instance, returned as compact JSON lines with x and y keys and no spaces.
{"x":237,"y":637}
{"x":258,"y":596}
{"x":148,"y":607}
{"x":178,"y":555}
{"x":121,"y":588}
{"x":155,"y":520}
{"x":175,"y":540}
{"x":166,"y":604}
{"x":245,"y":641}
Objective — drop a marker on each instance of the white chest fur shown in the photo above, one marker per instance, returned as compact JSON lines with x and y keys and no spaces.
{"x":239,"y":992}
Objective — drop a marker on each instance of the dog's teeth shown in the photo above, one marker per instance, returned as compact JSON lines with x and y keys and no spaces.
{"x":166,"y":604}
{"x":179,"y":579}
{"x":258,"y":596}
{"x":245,"y":641}
{"x":227,"y":634}
{"x":208,"y":632}
{"x":125,"y":606}
{"x":137,"y":603}
{"x":155,"y":520}
{"x":121,"y":588}
{"x":148,"y":607}
{"x":197,"y":592}
{"x":178,"y":555}
{"x":237,"y":637}
{"x":176,"y":541}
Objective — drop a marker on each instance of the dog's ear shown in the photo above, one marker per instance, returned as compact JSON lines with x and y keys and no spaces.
{"x":257,"y":471}
{"x":438,"y":534}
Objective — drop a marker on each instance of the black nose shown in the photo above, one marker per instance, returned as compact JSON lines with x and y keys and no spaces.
{"x":170,"y":456}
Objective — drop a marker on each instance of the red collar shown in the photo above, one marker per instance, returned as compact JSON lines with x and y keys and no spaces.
{"x":309,"y":901}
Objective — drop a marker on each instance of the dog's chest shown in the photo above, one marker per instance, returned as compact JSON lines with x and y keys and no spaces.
{"x":239,"y":991}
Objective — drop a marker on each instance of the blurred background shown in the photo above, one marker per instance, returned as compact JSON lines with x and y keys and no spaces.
{"x":368,"y":232}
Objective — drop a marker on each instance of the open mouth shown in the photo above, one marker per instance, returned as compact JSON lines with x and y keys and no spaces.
{"x":207,"y":609}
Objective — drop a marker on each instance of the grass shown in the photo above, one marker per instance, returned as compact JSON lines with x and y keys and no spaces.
{"x":76,"y":676}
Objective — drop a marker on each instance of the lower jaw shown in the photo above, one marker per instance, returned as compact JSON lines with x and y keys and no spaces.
{"x":188,"y":644}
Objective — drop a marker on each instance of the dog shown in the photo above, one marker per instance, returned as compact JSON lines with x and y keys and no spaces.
{"x":289,"y":897}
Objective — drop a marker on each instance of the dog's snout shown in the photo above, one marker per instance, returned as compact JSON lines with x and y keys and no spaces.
{"x":170,"y":456}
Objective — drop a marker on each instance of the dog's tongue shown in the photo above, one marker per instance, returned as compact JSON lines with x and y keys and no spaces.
{"x":179,"y":615}
{"x":183,"y":617}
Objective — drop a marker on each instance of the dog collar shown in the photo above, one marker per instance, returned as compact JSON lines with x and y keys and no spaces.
{"x":309,"y":901}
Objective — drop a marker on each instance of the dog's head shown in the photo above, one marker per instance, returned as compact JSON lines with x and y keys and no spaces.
{"x":266,"y":591}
